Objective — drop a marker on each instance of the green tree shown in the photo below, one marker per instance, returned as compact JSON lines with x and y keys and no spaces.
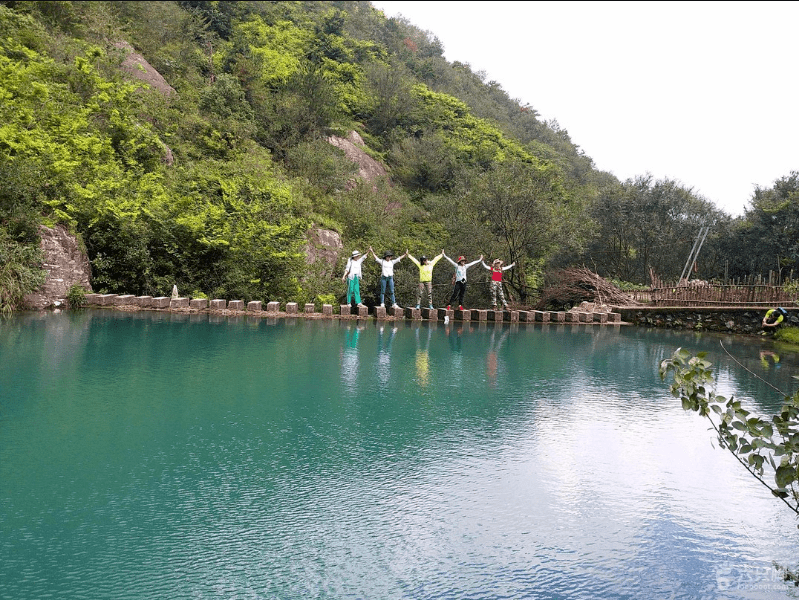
{"x":768,"y":238}
{"x":643,"y":224}
{"x":20,"y":271}
{"x":525,"y":214}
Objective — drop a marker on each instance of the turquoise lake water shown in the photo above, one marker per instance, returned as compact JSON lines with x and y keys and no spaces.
{"x":149,"y":455}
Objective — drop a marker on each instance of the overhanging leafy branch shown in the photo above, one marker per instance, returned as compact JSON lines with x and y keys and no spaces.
{"x":766,"y":449}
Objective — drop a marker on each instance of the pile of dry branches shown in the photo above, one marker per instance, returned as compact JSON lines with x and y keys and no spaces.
{"x":570,"y":287}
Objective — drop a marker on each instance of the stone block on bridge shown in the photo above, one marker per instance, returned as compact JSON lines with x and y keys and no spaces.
{"x":413,"y":313}
{"x":144,"y":301}
{"x":496,"y":315}
{"x":177,"y":303}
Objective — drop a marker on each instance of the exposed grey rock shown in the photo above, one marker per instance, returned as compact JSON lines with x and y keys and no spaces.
{"x":324,"y":245}
{"x":66,"y":265}
{"x":137,"y":67}
{"x":368,"y":168}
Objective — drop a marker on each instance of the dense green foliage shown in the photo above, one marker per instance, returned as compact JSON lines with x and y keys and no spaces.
{"x":212,"y":183}
{"x":788,"y":336}
{"x":76,"y":296}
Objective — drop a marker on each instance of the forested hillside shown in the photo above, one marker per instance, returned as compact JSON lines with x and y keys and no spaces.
{"x":213,"y":179}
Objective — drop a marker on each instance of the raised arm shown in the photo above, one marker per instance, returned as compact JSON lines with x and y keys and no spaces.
{"x":482,"y":262}
{"x":474,"y":262}
{"x":510,"y":266}
{"x":452,"y":262}
{"x":413,"y":259}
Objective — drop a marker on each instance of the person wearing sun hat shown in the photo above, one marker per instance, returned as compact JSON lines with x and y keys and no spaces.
{"x":387,"y":276}
{"x":353,"y":275}
{"x":496,"y":269}
{"x":459,"y":279}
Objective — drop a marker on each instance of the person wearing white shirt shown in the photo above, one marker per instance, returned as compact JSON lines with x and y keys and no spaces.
{"x":353,"y":275}
{"x":459,"y":279}
{"x":387,"y":277}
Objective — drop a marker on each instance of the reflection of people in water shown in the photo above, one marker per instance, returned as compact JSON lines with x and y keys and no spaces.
{"x":384,"y":354}
{"x":349,"y":357}
{"x":492,"y":360}
{"x":765,"y":355}
{"x":454,"y":337}
{"x":423,"y":358}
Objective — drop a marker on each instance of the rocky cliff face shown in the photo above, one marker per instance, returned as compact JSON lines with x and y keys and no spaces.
{"x":353,"y":146}
{"x":66,"y":265}
{"x":324,"y":245}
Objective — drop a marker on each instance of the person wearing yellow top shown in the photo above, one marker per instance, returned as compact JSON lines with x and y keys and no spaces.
{"x":425,"y":276}
{"x":774,"y":318}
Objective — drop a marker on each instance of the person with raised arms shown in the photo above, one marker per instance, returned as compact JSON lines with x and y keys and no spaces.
{"x":387,"y":276}
{"x":425,"y":276}
{"x":496,"y":269}
{"x":459,"y":279}
{"x":353,"y":274}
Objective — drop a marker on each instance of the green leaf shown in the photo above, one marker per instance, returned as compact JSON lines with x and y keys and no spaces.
{"x":785,"y":475}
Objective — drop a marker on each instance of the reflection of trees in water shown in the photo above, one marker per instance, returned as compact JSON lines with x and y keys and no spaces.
{"x":754,"y":388}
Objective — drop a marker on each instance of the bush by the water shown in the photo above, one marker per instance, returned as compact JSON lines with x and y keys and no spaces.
{"x":788,"y":335}
{"x":76,"y":297}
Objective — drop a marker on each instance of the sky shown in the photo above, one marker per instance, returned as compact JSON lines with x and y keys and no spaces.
{"x":704,"y":93}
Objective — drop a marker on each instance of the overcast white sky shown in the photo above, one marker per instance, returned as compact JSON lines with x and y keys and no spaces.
{"x":706,"y":93}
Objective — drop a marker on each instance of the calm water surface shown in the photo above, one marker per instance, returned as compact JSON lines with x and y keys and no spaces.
{"x":160,"y":456}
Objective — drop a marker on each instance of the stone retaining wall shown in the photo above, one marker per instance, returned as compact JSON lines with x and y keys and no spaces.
{"x":728,"y":320}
